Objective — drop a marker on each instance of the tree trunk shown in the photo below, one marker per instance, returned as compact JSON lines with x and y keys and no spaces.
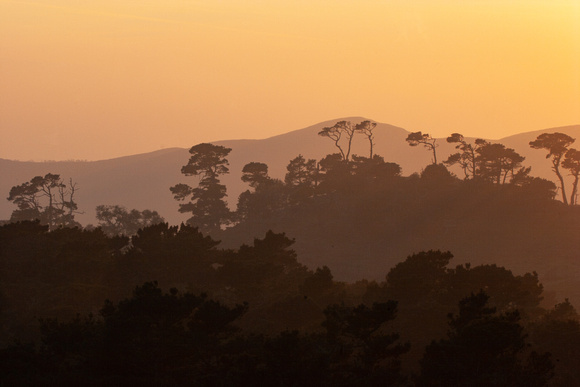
{"x":556,"y":168}
{"x":574,"y":194}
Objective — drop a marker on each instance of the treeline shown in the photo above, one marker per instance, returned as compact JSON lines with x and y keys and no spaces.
{"x":255,"y":314}
{"x":481,"y":162}
{"x":51,"y":200}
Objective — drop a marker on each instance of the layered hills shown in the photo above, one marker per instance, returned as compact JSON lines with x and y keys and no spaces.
{"x":142,"y":181}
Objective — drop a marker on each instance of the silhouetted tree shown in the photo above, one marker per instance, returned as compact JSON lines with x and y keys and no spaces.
{"x":483,"y":349}
{"x":363,"y":353}
{"x":572,"y":163}
{"x":333,"y":172}
{"x":269,"y":194}
{"x":374,"y":169}
{"x":342,"y":129}
{"x":265,"y":260}
{"x":495,"y":163}
{"x":320,"y":280}
{"x":558,"y":332}
{"x":301,"y":178}
{"x":366,"y":128}
{"x":557,"y":144}
{"x":116,"y":220}
{"x":206,"y":203}
{"x":418,"y":275}
{"x":428,"y":142}
{"x":46,"y":198}
{"x":467,"y":156}
{"x":436,"y":174}
{"x":255,"y":174}
{"x":170,"y":254}
{"x":269,"y":197}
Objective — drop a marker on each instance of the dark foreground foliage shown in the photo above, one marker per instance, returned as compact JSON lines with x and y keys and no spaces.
{"x":265,"y":319}
{"x":182,"y":339}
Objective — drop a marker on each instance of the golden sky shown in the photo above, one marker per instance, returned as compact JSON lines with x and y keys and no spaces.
{"x":94,"y":79}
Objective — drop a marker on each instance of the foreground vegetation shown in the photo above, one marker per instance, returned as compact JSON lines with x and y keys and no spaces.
{"x":256,"y":315}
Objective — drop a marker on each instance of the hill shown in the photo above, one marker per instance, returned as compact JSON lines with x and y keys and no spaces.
{"x":142,"y":181}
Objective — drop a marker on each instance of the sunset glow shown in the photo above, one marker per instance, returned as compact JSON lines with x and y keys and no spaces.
{"x":103,"y":78}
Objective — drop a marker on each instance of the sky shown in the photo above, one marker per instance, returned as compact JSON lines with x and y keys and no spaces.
{"x":97,"y":79}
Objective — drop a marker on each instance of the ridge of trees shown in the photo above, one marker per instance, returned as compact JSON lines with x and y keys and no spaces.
{"x":480,"y":160}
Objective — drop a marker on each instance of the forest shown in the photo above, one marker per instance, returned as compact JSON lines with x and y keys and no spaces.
{"x":377,"y":299}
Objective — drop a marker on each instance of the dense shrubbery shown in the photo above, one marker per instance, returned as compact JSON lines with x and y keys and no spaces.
{"x":264,"y":319}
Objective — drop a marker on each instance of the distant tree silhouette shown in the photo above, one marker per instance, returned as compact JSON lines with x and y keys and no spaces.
{"x":467,"y":157}
{"x":495,"y":163}
{"x":48,"y":199}
{"x":333,"y":172}
{"x":206,"y":203}
{"x":255,"y":174}
{"x":268,"y":196}
{"x":366,"y":128}
{"x":557,"y":144}
{"x":301,"y":178}
{"x":572,"y":163}
{"x":428,"y":142}
{"x":436,"y":174}
{"x":116,"y":220}
{"x":340,"y":130}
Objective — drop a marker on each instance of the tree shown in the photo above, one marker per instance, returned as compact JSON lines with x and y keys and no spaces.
{"x":116,"y":220}
{"x":495,"y":163}
{"x":301,"y":172}
{"x":428,"y":142}
{"x":301,"y":178}
{"x":264,"y":264}
{"x":558,"y":332}
{"x":483,"y":349}
{"x":572,"y":163}
{"x":207,"y":206}
{"x":557,"y":144}
{"x":418,"y":276}
{"x":47,"y":199}
{"x":366,"y":128}
{"x":467,"y":156}
{"x":333,"y":172}
{"x":374,"y":169}
{"x":364,"y":354}
{"x":255,"y":174}
{"x":336,"y":133}
{"x":269,"y":194}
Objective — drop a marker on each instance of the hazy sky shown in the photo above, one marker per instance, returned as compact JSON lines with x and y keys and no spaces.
{"x":94,"y":79}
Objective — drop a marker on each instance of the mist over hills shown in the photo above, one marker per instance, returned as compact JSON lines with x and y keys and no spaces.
{"x":142,"y":181}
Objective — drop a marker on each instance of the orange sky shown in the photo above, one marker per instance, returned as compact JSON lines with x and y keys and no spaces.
{"x":94,"y":79}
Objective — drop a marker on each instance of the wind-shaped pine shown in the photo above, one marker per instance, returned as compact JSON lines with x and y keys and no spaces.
{"x":206,"y":202}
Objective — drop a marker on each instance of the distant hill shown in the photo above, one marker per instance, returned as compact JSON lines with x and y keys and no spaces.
{"x":142,"y":181}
